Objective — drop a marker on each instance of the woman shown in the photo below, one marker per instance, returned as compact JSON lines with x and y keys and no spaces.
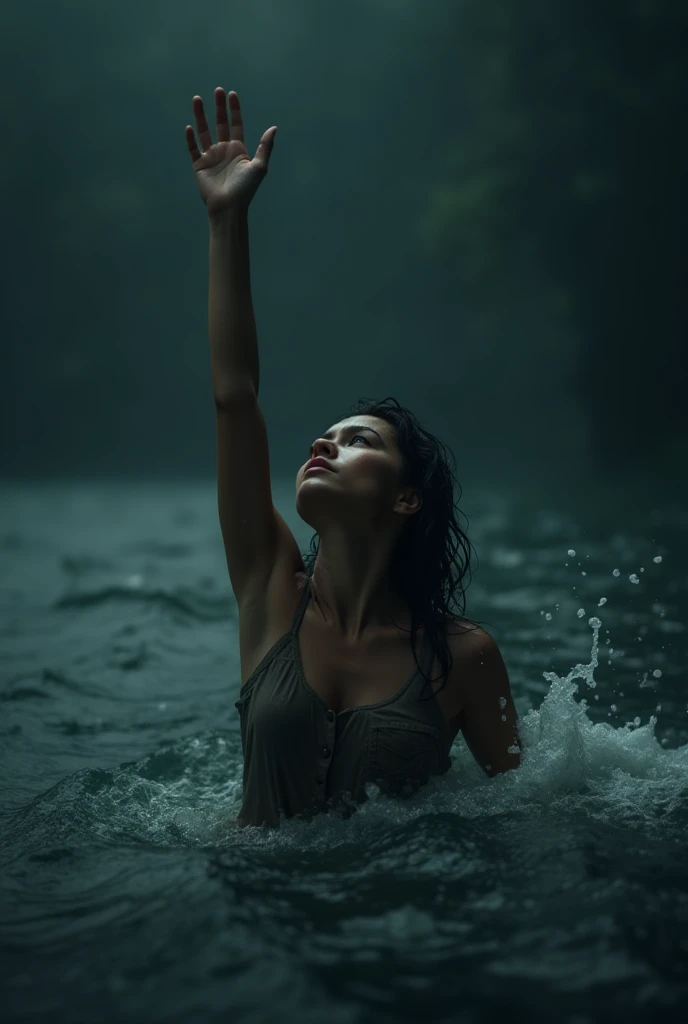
{"x":337,"y":651}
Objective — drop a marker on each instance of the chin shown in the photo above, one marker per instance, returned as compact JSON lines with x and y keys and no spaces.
{"x":315,"y":503}
{"x":306,"y":510}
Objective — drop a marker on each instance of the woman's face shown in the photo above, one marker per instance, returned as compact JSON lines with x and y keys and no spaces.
{"x":365,"y":470}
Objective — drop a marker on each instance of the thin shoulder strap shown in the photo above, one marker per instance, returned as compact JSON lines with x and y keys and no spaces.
{"x":300,"y":611}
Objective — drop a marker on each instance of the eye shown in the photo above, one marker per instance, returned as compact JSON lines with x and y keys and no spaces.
{"x":362,"y":437}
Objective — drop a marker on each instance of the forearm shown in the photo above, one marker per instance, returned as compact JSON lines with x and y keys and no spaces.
{"x":231,"y":320}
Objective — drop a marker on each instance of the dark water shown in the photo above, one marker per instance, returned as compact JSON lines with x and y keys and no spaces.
{"x":555,"y":892}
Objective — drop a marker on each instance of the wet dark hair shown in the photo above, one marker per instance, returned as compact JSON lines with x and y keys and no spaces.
{"x":432,"y":556}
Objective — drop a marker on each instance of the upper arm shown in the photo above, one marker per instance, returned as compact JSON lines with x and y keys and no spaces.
{"x":489,"y":720}
{"x":255,"y":535}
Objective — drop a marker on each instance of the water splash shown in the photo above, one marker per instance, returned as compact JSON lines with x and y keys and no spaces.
{"x":189,"y":792}
{"x":564,"y":752}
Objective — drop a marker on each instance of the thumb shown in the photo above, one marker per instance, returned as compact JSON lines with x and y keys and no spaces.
{"x":265,"y":147}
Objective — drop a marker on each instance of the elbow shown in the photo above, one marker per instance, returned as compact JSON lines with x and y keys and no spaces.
{"x":504,"y":762}
{"x":234,"y":396}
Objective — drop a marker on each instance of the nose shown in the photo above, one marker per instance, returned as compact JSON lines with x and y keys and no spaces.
{"x":321,"y":447}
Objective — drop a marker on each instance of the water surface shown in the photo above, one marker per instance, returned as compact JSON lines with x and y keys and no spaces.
{"x":559,"y":891}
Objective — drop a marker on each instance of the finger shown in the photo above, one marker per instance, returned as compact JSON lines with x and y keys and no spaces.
{"x":191,"y":143}
{"x":265,"y":147}
{"x":237,"y":119}
{"x":221,"y":115}
{"x":201,"y":124}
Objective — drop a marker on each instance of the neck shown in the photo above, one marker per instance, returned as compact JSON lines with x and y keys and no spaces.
{"x":351,"y":586}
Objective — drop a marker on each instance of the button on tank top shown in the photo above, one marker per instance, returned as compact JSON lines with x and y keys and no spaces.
{"x":302,"y":758}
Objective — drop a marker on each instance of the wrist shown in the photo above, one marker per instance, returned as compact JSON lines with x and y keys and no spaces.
{"x":227,"y":219}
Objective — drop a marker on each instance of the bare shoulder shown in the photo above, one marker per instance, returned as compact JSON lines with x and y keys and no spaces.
{"x":466,"y":639}
{"x":477,"y":659}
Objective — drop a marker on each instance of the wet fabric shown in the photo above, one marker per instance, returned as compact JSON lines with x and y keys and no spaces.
{"x":301,"y":758}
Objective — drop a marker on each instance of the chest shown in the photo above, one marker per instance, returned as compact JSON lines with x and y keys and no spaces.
{"x":348,"y":676}
{"x":345,"y":676}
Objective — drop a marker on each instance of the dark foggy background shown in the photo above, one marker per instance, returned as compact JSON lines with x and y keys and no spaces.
{"x":477,"y":207}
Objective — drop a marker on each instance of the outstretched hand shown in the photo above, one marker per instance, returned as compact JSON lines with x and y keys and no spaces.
{"x":226,"y":175}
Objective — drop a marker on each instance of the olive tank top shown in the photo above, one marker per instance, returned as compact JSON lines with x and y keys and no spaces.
{"x":302,"y":758}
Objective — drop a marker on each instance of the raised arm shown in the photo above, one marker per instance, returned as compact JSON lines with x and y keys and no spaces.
{"x":255,"y":535}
